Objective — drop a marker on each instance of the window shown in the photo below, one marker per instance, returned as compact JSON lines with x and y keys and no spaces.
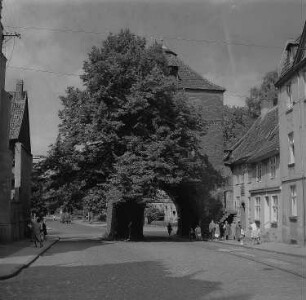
{"x":274,"y":216}
{"x":289,"y":96}
{"x":257,"y":208}
{"x":273,"y":167}
{"x":293,"y":200}
{"x":237,"y":203}
{"x":291,"y":148}
{"x":258,"y":172}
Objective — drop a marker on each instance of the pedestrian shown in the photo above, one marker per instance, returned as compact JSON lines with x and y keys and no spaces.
{"x":212,"y":229}
{"x":226,"y":228}
{"x":130,"y":227}
{"x":217,"y":231}
{"x":36,"y":233}
{"x":221,"y":227}
{"x":233,"y":230}
{"x":198,"y":233}
{"x":238,"y":231}
{"x":255,"y":233}
{"x":44,"y":229}
{"x":169,"y":228}
{"x":192,"y":234}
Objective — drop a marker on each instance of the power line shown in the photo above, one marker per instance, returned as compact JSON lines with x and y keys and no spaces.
{"x":78,"y":75}
{"x":44,"y":71}
{"x":56,"y":29}
{"x":205,"y":41}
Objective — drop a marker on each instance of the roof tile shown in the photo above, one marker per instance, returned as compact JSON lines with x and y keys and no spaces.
{"x":260,"y":142}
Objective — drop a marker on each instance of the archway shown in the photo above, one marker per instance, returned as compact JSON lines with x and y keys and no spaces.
{"x":189,"y":199}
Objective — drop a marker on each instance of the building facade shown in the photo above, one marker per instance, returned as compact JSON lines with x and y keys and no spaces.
{"x":21,"y":159}
{"x":291,"y":85}
{"x":5,"y":157}
{"x":256,"y":183}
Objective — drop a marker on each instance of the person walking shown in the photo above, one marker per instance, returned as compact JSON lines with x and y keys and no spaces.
{"x":226,"y":228}
{"x":217,"y":231}
{"x":233,"y":230}
{"x":44,"y":229}
{"x":169,"y":229}
{"x":36,"y":234}
{"x":198,"y":233}
{"x":238,"y":231}
{"x":212,"y":229}
{"x":130,"y":227}
{"x":192,"y":234}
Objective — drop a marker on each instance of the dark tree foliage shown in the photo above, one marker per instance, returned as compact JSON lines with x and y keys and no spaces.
{"x":129,"y":132}
{"x":266,"y":90}
{"x":153,"y":213}
{"x":237,"y":122}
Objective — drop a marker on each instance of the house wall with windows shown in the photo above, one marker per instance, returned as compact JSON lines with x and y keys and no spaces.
{"x":255,"y":165}
{"x":292,"y":131}
{"x":5,"y":157}
{"x":257,"y":196}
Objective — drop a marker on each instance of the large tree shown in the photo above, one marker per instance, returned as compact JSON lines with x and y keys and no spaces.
{"x":266,"y":90}
{"x":237,"y":121}
{"x":130,"y":131}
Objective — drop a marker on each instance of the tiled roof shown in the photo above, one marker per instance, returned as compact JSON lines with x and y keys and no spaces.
{"x":293,"y":54}
{"x":18,"y":106}
{"x":260,"y":142}
{"x":188,"y":78}
{"x":287,"y":62}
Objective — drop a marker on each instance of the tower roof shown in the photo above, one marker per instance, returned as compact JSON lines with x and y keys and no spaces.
{"x":187,"y":77}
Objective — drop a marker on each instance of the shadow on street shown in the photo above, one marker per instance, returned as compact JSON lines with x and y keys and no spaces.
{"x":132,"y":280}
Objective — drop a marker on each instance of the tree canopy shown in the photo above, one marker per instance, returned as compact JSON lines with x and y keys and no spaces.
{"x":266,"y":90}
{"x":129,"y":132}
{"x":238,"y":120}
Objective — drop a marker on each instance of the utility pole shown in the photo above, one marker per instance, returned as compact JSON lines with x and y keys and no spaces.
{"x":8,"y":35}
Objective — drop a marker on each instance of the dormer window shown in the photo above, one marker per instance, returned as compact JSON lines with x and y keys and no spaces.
{"x":173,"y":71}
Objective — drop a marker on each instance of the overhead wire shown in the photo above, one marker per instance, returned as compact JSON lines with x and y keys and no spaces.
{"x":67,"y":30}
{"x":178,"y":38}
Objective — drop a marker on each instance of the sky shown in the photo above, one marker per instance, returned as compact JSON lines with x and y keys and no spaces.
{"x":232,"y":43}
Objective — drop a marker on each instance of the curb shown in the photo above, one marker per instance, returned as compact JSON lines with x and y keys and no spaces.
{"x":20,"y":267}
{"x":261,"y":249}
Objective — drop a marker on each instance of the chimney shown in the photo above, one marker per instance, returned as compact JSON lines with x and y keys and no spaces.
{"x":19,"y":89}
{"x":265,"y":105}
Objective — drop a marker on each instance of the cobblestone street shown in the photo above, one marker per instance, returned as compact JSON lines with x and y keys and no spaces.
{"x":158,"y":268}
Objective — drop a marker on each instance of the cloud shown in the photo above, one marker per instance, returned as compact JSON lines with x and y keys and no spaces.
{"x":237,"y":68}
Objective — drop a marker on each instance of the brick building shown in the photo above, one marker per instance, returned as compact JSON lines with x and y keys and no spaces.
{"x":207,"y":97}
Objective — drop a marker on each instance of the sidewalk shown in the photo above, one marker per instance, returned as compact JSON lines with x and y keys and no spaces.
{"x":19,"y":255}
{"x":281,"y":248}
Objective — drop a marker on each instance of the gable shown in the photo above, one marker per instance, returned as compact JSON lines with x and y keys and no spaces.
{"x":293,"y":58}
{"x":19,"y":121}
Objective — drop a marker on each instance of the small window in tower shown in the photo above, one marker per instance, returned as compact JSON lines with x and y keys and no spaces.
{"x":173,"y":71}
